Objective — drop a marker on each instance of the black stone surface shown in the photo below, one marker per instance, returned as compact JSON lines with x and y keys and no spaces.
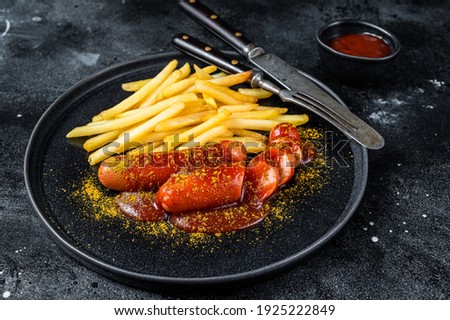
{"x":47,"y":46}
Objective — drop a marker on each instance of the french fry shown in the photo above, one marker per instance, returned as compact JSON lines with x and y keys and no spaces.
{"x":179,"y":86}
{"x":205,"y":137}
{"x":123,"y":114}
{"x":159,"y":136}
{"x":139,"y":95}
{"x":222,"y":93}
{"x":256,"y":92}
{"x":175,"y":140}
{"x":184,"y":72}
{"x":154,"y":140}
{"x":219,"y":75}
{"x":210,"y":101}
{"x":193,"y":108}
{"x":281,"y":110}
{"x":135,"y":85}
{"x":97,"y":122}
{"x":248,"y":133}
{"x":209,"y":69}
{"x":132,"y":137}
{"x":201,"y":74}
{"x":182,"y":121}
{"x":149,"y":126}
{"x":239,"y":107}
{"x":265,"y":114}
{"x":130,"y":120}
{"x":157,"y":95}
{"x":295,"y":119}
{"x":190,"y":107}
{"x":145,"y":148}
{"x":206,"y":117}
{"x":251,"y":124}
{"x":100,"y":140}
{"x":217,"y":92}
{"x":232,"y":79}
{"x":257,"y":148}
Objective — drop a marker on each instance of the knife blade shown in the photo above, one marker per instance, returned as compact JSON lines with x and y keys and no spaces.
{"x":301,"y":88}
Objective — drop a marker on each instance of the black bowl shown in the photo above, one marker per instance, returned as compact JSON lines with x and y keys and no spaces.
{"x":355,"y":69}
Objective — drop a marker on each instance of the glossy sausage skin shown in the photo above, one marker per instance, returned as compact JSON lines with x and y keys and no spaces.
{"x":261,"y":181}
{"x":285,"y":130}
{"x":202,"y":188}
{"x":150,"y":171}
{"x":283,"y":160}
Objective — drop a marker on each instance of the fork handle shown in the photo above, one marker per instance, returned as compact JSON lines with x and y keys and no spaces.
{"x":206,"y":53}
{"x":211,"y":21}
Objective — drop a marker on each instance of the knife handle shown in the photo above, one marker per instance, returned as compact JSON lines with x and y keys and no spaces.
{"x":211,"y":21}
{"x":206,"y":53}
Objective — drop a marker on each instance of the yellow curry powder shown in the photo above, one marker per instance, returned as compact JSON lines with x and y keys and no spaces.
{"x":99,"y":204}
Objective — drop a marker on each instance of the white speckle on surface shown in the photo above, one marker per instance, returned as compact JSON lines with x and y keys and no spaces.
{"x":436,"y":84}
{"x":398,"y":192}
{"x":87,"y":58}
{"x":17,"y":251}
{"x":365,"y":229}
{"x":398,"y":102}
{"x":399,"y":164}
{"x":397,"y":204}
{"x":406,"y":231}
{"x":394,"y":101}
{"x":424,"y":215}
{"x":426,"y":194}
{"x":36,"y":19}
{"x":371,"y":223}
{"x":383,"y":117}
{"x":429,"y":106}
{"x":7,"y":27}
{"x":420,"y":90}
{"x":390,"y":231}
{"x":19,"y":115}
{"x":404,"y":222}
{"x":381,"y":101}
{"x":374,"y":239}
{"x":6,"y":294}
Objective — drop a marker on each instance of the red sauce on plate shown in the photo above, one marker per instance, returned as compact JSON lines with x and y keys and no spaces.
{"x":361,"y":45}
{"x":141,"y":206}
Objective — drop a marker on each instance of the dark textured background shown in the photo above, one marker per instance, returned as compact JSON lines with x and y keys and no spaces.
{"x":50,"y":45}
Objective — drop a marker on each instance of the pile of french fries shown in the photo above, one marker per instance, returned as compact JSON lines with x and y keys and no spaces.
{"x":183,"y":108}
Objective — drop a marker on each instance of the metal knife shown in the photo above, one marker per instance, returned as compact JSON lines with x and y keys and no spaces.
{"x":297,"y":87}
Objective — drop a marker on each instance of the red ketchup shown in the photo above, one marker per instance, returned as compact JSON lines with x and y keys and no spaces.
{"x":361,"y":45}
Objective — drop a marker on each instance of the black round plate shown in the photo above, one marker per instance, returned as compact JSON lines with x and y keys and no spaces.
{"x":54,"y":167}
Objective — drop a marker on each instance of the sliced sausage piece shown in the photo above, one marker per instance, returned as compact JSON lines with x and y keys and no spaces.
{"x":149,"y":171}
{"x":288,"y":146}
{"x":234,"y":218}
{"x":261,"y":180}
{"x":202,"y":188}
{"x":140,"y":206}
{"x":285,"y":130}
{"x":282,"y":159}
